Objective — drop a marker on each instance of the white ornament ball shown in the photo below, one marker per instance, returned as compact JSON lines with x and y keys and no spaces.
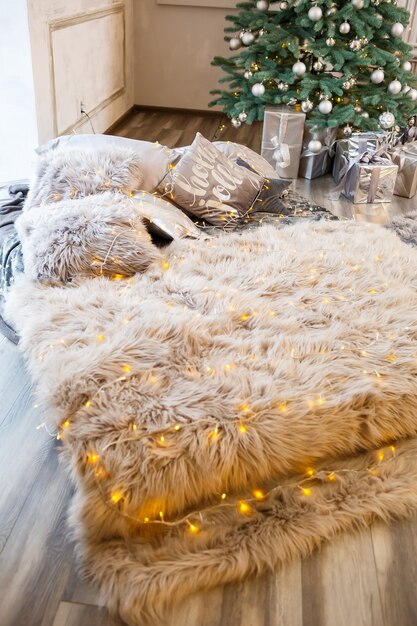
{"x":307,"y":106}
{"x":315,"y":14}
{"x":234,"y":43}
{"x":386,"y":120}
{"x":248,"y":38}
{"x":365,"y":114}
{"x":413,"y":94}
{"x":344,"y":28}
{"x":397,"y":29}
{"x":358,"y":4}
{"x":283,"y":6}
{"x":407,"y":66}
{"x":299,"y":68}
{"x":243,"y":116}
{"x":325,"y":106}
{"x":258,"y":89}
{"x":315,"y":145}
{"x":394,"y":87}
{"x":262,"y":5}
{"x":377,"y":76}
{"x":247,"y":74}
{"x":330,"y":41}
{"x":406,"y":88}
{"x":235,"y":122}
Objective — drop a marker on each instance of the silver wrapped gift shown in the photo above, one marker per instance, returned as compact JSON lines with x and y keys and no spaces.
{"x":315,"y":164}
{"x":370,"y":178}
{"x":406,"y":159}
{"x":347,"y":149}
{"x":282,"y":139}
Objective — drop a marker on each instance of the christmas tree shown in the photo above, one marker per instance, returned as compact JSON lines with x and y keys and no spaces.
{"x":343,"y":62}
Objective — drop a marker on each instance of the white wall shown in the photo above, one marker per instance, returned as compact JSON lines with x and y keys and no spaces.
{"x":174,"y":46}
{"x":82,"y":51}
{"x":18,"y":128}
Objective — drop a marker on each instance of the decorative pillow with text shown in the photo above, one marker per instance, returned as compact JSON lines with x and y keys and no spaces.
{"x":210,"y":186}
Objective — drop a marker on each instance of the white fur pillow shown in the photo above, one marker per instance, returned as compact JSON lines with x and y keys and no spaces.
{"x":97,"y":235}
{"x":154,"y":157}
{"x":69,"y":174}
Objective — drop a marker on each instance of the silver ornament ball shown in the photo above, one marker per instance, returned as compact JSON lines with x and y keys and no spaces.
{"x":365,"y":114}
{"x":407,"y":66}
{"x":332,"y":10}
{"x":318,"y":66}
{"x":235,"y":122}
{"x":315,"y":145}
{"x":262,"y":5}
{"x":413,"y":94}
{"x":406,"y":88}
{"x":258,"y":89}
{"x":325,"y":107}
{"x":234,"y":43}
{"x":243,"y":116}
{"x":247,"y":74}
{"x":397,"y":29}
{"x":307,"y":106}
{"x":358,"y":4}
{"x":347,"y":131}
{"x":248,"y":38}
{"x":330,"y":41}
{"x":283,"y":6}
{"x":283,"y":86}
{"x":377,"y":76}
{"x":358,"y":108}
{"x":315,"y":14}
{"x":394,"y":87}
{"x":344,"y":28}
{"x":386,"y":120}
{"x":299,"y":68}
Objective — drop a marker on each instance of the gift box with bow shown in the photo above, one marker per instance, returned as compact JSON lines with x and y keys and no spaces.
{"x":369,"y":178}
{"x":347,"y":149}
{"x":406,"y":159}
{"x":315,"y":164}
{"x":282,"y":139}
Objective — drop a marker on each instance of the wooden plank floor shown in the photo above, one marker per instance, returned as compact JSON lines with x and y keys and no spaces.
{"x":362,"y":579}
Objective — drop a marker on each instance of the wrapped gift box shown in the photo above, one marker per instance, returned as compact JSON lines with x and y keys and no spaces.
{"x":315,"y":164}
{"x":370,"y":178}
{"x":406,"y":159}
{"x":347,"y":149}
{"x":282,"y":139}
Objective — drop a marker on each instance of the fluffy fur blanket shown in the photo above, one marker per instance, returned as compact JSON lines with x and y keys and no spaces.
{"x":272,"y":373}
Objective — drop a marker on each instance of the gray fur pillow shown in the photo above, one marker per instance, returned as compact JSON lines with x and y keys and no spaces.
{"x":68,"y":174}
{"x":93,"y":236}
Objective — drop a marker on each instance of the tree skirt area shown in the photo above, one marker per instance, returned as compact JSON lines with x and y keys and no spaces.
{"x":233,"y":406}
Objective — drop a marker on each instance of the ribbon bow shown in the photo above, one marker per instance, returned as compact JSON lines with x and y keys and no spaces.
{"x":281,"y":153}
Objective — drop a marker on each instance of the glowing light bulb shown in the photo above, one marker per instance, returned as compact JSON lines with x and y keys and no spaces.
{"x":245,"y":408}
{"x":332,"y":477}
{"x":283,"y":407}
{"x":93,"y":458}
{"x":243,"y":428}
{"x":177,"y":427}
{"x":392,"y":448}
{"x":146,"y":520}
{"x":116,"y":496}
{"x":306,"y":491}
{"x":259,"y":494}
{"x":162,"y":439}
{"x":194,"y":530}
{"x":381,"y":456}
{"x":244,"y":317}
{"x":223,"y":496}
{"x":165,"y":265}
{"x":66,"y":424}
{"x":117,"y":277}
{"x":126,"y":368}
{"x":100,"y":337}
{"x":391,"y":357}
{"x":244,"y":508}
{"x":310,"y":471}
{"x":87,"y":403}
{"x":161,"y":514}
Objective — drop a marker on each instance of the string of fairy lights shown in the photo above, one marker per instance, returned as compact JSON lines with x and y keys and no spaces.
{"x":114,"y":498}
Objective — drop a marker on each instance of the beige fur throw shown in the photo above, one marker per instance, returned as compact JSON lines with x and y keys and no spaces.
{"x":272,"y":373}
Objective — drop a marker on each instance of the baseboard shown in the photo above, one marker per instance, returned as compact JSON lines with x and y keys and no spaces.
{"x":144,"y":107}
{"x":119,"y":120}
